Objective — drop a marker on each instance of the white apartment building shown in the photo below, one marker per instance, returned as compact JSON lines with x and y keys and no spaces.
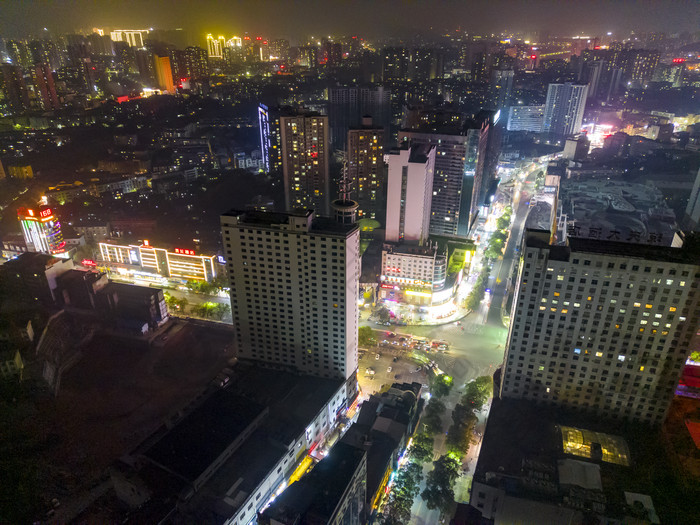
{"x":602,"y":326}
{"x":294,"y":290}
{"x":409,"y":193}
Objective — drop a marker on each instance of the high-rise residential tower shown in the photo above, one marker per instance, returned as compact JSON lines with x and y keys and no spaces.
{"x":501,"y":88}
{"x":348,"y":105}
{"x":305,"y":161}
{"x":164,"y":73}
{"x":563,"y":110}
{"x":43,"y":80}
{"x":409,"y":186}
{"x":366,"y":170}
{"x":294,"y":290}
{"x":602,"y":326}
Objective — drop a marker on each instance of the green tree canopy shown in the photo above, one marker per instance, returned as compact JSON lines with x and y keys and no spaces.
{"x":439,"y":491}
{"x":422,"y":447}
{"x":441,"y":386}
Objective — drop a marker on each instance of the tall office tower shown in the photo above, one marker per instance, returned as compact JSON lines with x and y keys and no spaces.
{"x":145,"y":64}
{"x":42,"y":230}
{"x":525,"y":118}
{"x":164,"y":74}
{"x":366,"y":171}
{"x":294,"y":288}
{"x":270,"y":137}
{"x":43,"y":80}
{"x":501,"y":88}
{"x":196,"y":64}
{"x":395,"y":63}
{"x":456,"y":154}
{"x":133,"y":37}
{"x":639,"y":64}
{"x":14,"y":88}
{"x":215,"y":46}
{"x":600,"y":327}
{"x":563,"y":110}
{"x":279,"y":49}
{"x":101,"y":44}
{"x":308,"y":56}
{"x":45,"y":51}
{"x":348,"y":105}
{"x":409,"y":185}
{"x":593,"y":74}
{"x":485,"y":183}
{"x":425,"y":64}
{"x":19,"y":53}
{"x":305,"y":161}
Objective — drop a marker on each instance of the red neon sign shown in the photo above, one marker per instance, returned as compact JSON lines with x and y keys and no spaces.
{"x":183,"y":251}
{"x":678,"y":60}
{"x":46,"y":213}
{"x":533,"y":57}
{"x":88,"y":262}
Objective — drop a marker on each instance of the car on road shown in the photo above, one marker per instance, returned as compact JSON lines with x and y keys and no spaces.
{"x":376,"y":357}
{"x":395,"y":359}
{"x":388,"y":370}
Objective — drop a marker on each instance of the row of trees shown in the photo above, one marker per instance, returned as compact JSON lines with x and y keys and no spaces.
{"x":477,"y":294}
{"x":365,"y":337}
{"x":206,"y":287}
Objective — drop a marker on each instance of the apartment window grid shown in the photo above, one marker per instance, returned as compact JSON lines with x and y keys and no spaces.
{"x":605,"y":334}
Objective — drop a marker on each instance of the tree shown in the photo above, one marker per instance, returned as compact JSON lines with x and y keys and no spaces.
{"x":221,"y":309}
{"x":384,"y":314}
{"x":439,"y":492}
{"x":460,"y":432}
{"x":405,"y":489}
{"x":503,"y":222}
{"x":365,"y":336}
{"x":432,"y":415}
{"x":477,"y":392}
{"x":182,"y":303}
{"x":442,"y":385}
{"x":421,"y":448}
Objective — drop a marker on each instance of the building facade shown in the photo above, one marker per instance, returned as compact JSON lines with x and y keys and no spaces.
{"x":411,"y":274}
{"x":149,"y":261}
{"x":525,"y":118}
{"x":366,"y":171}
{"x":563,"y":110}
{"x":41,"y":230}
{"x":294,"y":290}
{"x":305,"y":161}
{"x":455,"y":165}
{"x":409,"y":185}
{"x":600,"y":327}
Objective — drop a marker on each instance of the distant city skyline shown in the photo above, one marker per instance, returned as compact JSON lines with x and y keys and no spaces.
{"x":371,"y":19}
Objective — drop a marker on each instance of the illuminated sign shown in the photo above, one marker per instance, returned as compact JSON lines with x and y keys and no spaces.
{"x":403,"y":280}
{"x":533,"y":57}
{"x":221,"y":259}
{"x":182,"y":251}
{"x":678,"y":60}
{"x":88,"y":262}
{"x":390,"y":286}
{"x":418,"y":294}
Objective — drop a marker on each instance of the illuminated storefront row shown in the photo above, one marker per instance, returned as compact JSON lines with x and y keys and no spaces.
{"x":178,"y":264}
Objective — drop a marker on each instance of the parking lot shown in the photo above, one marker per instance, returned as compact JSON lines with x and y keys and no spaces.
{"x":388,"y":362}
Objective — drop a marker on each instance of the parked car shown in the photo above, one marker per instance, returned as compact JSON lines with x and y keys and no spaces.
{"x":377,"y":357}
{"x":388,"y":369}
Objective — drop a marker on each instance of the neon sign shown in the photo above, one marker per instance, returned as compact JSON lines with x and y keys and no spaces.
{"x":46,"y":213}
{"x":88,"y":262}
{"x":182,"y":251}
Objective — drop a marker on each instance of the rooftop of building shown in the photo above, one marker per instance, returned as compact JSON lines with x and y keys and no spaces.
{"x":287,"y":402}
{"x":410,"y":249}
{"x":316,"y":495}
{"x":33,"y":262}
{"x":274,"y":219}
{"x":561,"y":457}
{"x":216,"y":422}
{"x":689,"y":253}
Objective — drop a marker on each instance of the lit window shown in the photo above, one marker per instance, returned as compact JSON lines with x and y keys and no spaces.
{"x":541,"y":368}
{"x":672,"y":309}
{"x":577,"y":350}
{"x":637,"y":305}
{"x":590,"y":298}
{"x":641,"y":369}
{"x":621,"y":358}
{"x":681,"y":319}
{"x":556,"y":294}
{"x":564,"y":311}
{"x":648,"y":305}
{"x":644,"y":321}
{"x":599,"y":354}
{"x":560,"y":277}
{"x":542,"y":308}
{"x":576,"y":305}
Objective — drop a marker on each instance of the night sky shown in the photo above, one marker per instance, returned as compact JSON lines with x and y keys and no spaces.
{"x":371,"y":18}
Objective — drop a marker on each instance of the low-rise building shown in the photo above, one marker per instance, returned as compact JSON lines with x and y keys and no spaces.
{"x":411,"y":273}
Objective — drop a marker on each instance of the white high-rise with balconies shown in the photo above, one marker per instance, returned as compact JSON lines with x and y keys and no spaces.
{"x":602,"y":326}
{"x":294,"y":290}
